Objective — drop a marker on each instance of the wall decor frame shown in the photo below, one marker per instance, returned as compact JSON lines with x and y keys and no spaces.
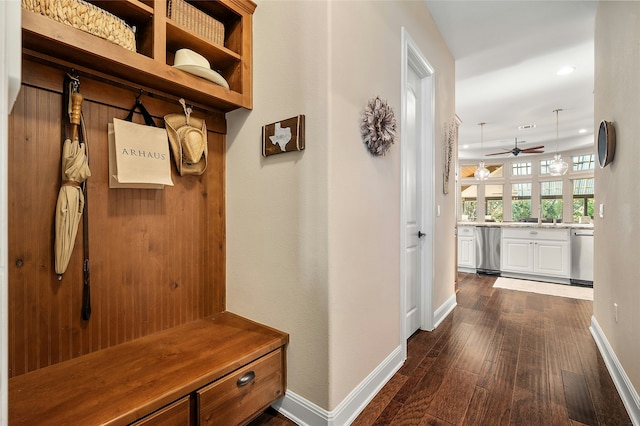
{"x":283,"y":136}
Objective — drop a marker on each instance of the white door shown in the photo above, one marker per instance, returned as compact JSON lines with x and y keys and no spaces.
{"x":417,"y":192}
{"x":413,"y":215}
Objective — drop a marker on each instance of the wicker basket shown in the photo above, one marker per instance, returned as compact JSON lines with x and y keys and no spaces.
{"x":195,"y":20}
{"x":86,"y":17}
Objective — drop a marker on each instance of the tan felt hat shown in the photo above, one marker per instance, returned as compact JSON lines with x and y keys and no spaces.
{"x":189,"y":61}
{"x":188,"y":143}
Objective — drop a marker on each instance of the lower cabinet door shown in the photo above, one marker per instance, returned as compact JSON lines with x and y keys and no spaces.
{"x":517,"y":255}
{"x":238,"y":397}
{"x":552,"y":258}
{"x":175,"y":414}
{"x":466,"y":252}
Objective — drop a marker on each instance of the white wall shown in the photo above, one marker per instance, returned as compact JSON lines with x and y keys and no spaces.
{"x":313,"y":237}
{"x":617,"y":241}
{"x":364,"y":196}
{"x":10,"y":64}
{"x":277,"y":267}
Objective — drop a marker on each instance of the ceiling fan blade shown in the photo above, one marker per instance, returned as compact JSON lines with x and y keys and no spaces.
{"x":515,"y":151}
{"x":533,"y":148}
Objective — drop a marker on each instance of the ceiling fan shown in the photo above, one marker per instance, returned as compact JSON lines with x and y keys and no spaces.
{"x":515,"y":150}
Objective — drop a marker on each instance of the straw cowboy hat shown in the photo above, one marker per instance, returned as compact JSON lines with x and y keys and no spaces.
{"x":189,"y":61}
{"x":188,"y":140}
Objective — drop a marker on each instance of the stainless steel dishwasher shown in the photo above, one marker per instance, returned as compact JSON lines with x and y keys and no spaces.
{"x":488,"y":250}
{"x":582,"y":257}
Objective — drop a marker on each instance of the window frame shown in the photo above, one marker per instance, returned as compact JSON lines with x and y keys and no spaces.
{"x":584,"y":197}
{"x":580,"y":159}
{"x":526,"y":165}
{"x":516,"y":198}
{"x":555,"y":197}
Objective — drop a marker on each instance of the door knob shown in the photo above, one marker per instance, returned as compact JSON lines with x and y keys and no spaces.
{"x":420,"y":234}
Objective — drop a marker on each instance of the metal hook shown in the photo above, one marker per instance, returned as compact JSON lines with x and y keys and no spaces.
{"x":139,"y":96}
{"x":187,"y":109}
{"x":75,"y":80}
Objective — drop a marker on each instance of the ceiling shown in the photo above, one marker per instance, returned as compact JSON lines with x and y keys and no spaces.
{"x":507,"y":56}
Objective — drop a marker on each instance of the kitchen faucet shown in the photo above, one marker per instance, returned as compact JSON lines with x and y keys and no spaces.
{"x":539,"y":214}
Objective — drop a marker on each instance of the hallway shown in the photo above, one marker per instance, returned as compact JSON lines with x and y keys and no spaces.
{"x":502,"y":357}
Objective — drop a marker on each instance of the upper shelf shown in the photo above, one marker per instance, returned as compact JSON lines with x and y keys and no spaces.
{"x":157,"y":39}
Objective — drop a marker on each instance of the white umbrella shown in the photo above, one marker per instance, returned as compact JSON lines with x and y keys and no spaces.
{"x":75,"y":170}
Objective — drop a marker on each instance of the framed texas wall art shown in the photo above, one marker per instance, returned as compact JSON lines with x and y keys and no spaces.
{"x":283,"y":136}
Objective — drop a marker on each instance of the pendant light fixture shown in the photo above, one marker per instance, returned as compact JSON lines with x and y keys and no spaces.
{"x":558,"y":166}
{"x":481,"y":173}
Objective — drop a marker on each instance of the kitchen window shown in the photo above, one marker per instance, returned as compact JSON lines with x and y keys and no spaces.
{"x":551,"y":199}
{"x":521,"y":169}
{"x":521,"y":200}
{"x":582,"y":198}
{"x":493,"y":203}
{"x":469,"y":203}
{"x":544,"y":166}
{"x":495,"y":169}
{"x":583,"y":162}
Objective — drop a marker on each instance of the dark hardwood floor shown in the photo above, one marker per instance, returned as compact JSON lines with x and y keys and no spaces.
{"x":502,"y":357}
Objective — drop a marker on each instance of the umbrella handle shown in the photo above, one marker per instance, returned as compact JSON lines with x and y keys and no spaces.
{"x":76,"y":113}
{"x":76,"y":108}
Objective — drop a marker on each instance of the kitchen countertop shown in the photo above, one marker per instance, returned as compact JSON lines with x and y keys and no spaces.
{"x":529,"y":225}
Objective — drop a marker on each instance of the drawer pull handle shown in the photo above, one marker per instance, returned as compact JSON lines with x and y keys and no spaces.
{"x":533,"y":232}
{"x":246,"y":378}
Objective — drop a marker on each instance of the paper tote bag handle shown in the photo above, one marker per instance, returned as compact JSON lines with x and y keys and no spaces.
{"x":148,"y":120}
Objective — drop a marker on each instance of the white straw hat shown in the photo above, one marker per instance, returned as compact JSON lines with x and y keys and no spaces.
{"x":189,"y":61}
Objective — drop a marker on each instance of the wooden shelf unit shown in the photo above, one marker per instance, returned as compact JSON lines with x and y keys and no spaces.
{"x":157,"y":39}
{"x":188,"y":373}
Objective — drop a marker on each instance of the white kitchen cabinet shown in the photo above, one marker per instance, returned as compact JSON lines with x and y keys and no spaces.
{"x":466,"y":249}
{"x":536,"y":252}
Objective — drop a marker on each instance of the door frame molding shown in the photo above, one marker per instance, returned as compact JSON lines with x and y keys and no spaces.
{"x":412,"y":57}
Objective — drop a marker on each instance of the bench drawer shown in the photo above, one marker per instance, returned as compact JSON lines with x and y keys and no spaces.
{"x":176,"y":414}
{"x":238,"y":397}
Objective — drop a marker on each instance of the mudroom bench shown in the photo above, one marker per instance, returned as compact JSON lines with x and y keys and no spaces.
{"x":221,"y":370}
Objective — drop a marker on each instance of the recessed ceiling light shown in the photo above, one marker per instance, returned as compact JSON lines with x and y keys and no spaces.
{"x":527,"y":126}
{"x":465,"y":146}
{"x":566,"y":70}
{"x":582,"y":131}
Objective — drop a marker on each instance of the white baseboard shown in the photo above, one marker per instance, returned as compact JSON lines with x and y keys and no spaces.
{"x":305,"y":413}
{"x":624,"y":386}
{"x":444,"y":310}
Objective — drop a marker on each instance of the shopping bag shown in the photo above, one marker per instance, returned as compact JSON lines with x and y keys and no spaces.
{"x":138,"y":154}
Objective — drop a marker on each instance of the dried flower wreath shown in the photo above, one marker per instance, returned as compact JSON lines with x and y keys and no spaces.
{"x":378,"y":126}
{"x":450,"y":135}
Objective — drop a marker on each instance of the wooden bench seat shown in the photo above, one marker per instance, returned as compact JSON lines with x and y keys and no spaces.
{"x":127,"y":382}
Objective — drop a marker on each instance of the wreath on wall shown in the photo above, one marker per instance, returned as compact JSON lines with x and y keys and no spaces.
{"x":378,"y":126}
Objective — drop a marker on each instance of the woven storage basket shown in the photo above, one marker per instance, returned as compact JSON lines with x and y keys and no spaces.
{"x":196,"y":20}
{"x":86,"y":17}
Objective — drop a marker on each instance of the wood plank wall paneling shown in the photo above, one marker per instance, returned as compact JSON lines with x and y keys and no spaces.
{"x":157,"y":257}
